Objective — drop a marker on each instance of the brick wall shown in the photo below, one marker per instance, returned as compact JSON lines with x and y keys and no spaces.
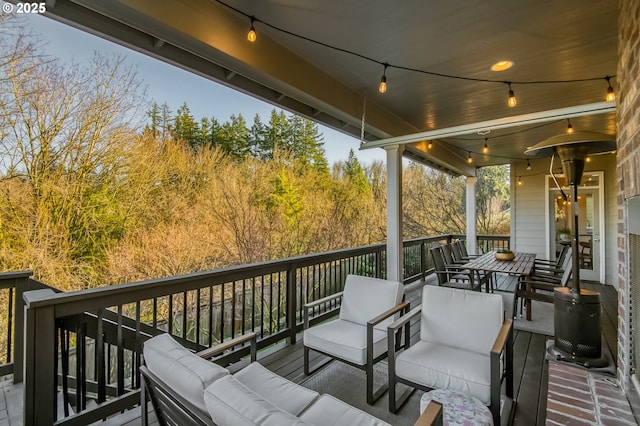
{"x":628,"y":159}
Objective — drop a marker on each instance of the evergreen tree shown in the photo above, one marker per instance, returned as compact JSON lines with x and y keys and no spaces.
{"x":185,"y":126}
{"x":354,"y":171}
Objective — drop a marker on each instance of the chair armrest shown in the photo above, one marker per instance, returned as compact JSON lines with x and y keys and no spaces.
{"x":398,"y":308}
{"x":308,"y":306}
{"x":501,"y":340}
{"x":394,"y":326}
{"x":215,"y":350}
{"x":432,"y":415}
{"x":323,"y":300}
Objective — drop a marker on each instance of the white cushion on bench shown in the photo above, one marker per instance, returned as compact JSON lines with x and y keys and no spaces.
{"x":185,"y":372}
{"x":279,"y":391}
{"x":230,"y":403}
{"x":330,"y":411}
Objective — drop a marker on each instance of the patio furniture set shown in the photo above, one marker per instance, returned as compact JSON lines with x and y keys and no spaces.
{"x":461,"y":358}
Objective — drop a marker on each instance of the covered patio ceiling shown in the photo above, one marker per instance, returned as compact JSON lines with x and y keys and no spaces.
{"x":322,"y":59}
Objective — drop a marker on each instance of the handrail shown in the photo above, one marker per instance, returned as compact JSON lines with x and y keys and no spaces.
{"x":109,"y":324}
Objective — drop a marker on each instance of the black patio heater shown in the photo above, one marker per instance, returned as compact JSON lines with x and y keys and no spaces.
{"x":577,"y":311}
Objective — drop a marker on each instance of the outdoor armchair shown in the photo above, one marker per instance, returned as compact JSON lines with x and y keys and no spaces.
{"x":465,"y":345}
{"x":450,"y":275}
{"x":358,"y":336}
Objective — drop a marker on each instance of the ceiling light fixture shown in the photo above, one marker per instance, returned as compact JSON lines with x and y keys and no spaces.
{"x":430,"y":145}
{"x":469,"y":159}
{"x":485,"y":148}
{"x":512,"y":97}
{"x":501,"y":66}
{"x":611,"y":96}
{"x":569,"y":126}
{"x":383,"y":80}
{"x":528,"y":165}
{"x":519,"y":180}
{"x":251,"y":35}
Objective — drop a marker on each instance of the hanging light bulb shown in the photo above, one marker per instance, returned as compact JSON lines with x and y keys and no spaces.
{"x":569,"y":126}
{"x":611,"y":96}
{"x":383,"y":81}
{"x":430,"y":145}
{"x":519,"y":180}
{"x":528,"y":165}
{"x":587,"y":159}
{"x":251,"y":35}
{"x":485,"y":148}
{"x":512,"y":98}
{"x":469,"y":159}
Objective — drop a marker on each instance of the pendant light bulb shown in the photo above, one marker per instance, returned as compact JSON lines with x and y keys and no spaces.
{"x":569,"y":127}
{"x":251,"y":35}
{"x":430,"y":145}
{"x":587,"y":159}
{"x":611,"y":96}
{"x":485,"y":148}
{"x":383,"y":80}
{"x":469,"y":159}
{"x":512,"y":98}
{"x":528,"y":165}
{"x":519,"y":180}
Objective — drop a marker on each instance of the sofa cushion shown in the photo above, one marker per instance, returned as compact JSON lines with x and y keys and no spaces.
{"x":443,"y":367}
{"x":184,"y":371}
{"x":230,"y":403}
{"x":365,"y":298}
{"x":345,"y":340}
{"x":330,"y":411}
{"x":279,"y":391}
{"x":466,"y":319}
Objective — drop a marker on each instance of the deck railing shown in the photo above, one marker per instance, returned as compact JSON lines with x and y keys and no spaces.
{"x":87,"y":344}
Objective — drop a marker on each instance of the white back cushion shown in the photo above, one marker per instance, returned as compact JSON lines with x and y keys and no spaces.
{"x":185,"y":372}
{"x":464,"y":319}
{"x":230,"y":403}
{"x":365,"y":298}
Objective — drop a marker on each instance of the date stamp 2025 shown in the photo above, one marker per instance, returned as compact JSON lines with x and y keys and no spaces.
{"x":24,"y":7}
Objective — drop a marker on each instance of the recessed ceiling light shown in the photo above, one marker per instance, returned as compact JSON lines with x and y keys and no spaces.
{"x":501,"y":66}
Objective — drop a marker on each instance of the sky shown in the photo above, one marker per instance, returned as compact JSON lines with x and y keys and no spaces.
{"x":204,"y":97}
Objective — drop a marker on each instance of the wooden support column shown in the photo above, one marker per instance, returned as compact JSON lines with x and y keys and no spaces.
{"x":394,"y":213}
{"x":472,"y":232}
{"x":39,"y":360}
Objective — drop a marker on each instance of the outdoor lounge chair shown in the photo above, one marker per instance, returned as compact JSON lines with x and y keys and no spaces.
{"x":358,"y":336}
{"x":187,"y":390}
{"x":465,"y":345}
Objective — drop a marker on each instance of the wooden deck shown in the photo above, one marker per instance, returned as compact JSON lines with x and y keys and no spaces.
{"x":530,"y":367}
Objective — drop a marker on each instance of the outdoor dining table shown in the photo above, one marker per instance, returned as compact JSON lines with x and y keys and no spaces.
{"x":521,"y":265}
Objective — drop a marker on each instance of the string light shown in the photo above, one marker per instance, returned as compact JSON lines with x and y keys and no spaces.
{"x":512,"y":97}
{"x":569,"y":126}
{"x":611,"y":96}
{"x":430,"y":145}
{"x":485,"y":148}
{"x":469,"y":159}
{"x":251,"y":35}
{"x":588,"y":159}
{"x":519,"y":180}
{"x":528,"y":165}
{"x":383,"y":80}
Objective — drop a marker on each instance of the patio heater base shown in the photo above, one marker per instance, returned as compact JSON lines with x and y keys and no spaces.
{"x":577,"y":328}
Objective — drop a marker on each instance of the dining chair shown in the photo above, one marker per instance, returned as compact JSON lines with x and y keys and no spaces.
{"x":452,"y":275}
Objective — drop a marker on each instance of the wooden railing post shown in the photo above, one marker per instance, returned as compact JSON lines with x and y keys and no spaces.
{"x":39,"y":360}
{"x":23,"y":284}
{"x":291,"y":303}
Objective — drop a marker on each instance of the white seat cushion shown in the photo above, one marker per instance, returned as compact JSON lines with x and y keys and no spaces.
{"x":330,"y":411}
{"x":345,"y":340}
{"x":279,"y":391}
{"x":230,"y":403}
{"x":185,"y":372}
{"x":437,"y":366}
{"x":365,"y":298}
